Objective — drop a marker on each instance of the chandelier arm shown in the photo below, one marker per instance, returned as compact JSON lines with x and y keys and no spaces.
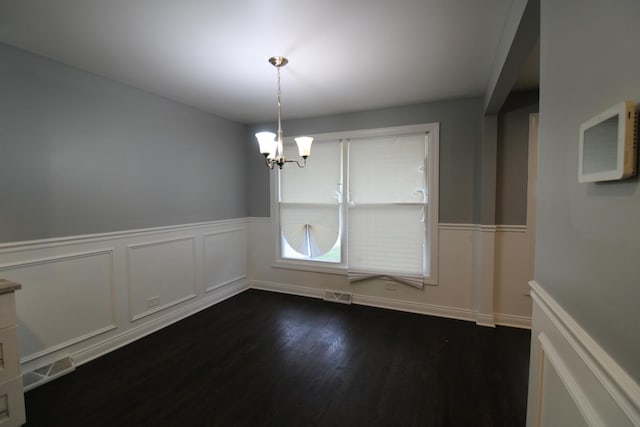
{"x":269,"y":163}
{"x":297,"y":162}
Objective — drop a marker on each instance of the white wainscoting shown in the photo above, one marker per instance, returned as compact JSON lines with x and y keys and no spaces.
{"x":453,"y":296}
{"x":161,"y":274}
{"x":83,"y":296}
{"x":222,"y":265}
{"x":511,"y":302}
{"x":485,"y":282}
{"x":46,"y":326}
{"x":572,"y":380}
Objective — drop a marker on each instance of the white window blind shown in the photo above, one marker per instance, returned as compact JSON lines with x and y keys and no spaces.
{"x":309,"y":205}
{"x":387,"y":170}
{"x":387,"y":207}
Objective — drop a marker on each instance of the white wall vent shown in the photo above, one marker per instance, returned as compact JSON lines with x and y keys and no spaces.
{"x":341,"y":297}
{"x":47,"y":373}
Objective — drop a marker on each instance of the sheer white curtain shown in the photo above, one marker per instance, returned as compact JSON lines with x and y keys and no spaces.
{"x":387,"y":203}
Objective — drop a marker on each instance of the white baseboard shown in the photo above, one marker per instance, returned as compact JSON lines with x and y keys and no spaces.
{"x":512,"y":321}
{"x":483,"y":319}
{"x":414,"y":307}
{"x":287,"y":289}
{"x":113,"y":343}
{"x":411,"y":307}
{"x":601,"y":391}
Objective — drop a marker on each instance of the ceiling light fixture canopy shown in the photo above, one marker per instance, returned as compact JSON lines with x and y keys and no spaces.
{"x":272,"y":148}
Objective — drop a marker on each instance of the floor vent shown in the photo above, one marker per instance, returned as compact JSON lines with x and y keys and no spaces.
{"x":47,"y":373}
{"x":341,"y":297}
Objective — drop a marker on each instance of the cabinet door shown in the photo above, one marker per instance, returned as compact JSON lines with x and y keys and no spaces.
{"x":7,"y":310}
{"x":9,"y":357}
{"x":12,"y":403}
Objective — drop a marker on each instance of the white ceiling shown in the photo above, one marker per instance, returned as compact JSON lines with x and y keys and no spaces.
{"x":345,"y":55}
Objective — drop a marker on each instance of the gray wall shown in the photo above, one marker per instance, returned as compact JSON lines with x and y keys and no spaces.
{"x":512,"y":157}
{"x":519,"y":37}
{"x":486,"y":196}
{"x":82,"y":154}
{"x":588,"y":235}
{"x":460,"y":138}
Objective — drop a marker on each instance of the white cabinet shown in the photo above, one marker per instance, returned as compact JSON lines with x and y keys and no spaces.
{"x":12,"y":411}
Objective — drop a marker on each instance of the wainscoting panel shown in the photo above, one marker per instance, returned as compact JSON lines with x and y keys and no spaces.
{"x":84,"y":296}
{"x":225,"y":255}
{"x":160,"y":274}
{"x":485,"y":282}
{"x":64,"y":299}
{"x":558,"y":406}
{"x":572,"y":380}
{"x":512,"y":303}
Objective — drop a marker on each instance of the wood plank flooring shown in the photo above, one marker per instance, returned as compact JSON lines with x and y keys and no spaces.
{"x":267,"y":359}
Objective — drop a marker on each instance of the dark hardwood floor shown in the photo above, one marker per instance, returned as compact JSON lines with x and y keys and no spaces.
{"x":267,"y":359}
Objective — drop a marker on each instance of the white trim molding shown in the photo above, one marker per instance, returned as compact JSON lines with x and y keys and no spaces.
{"x":603,"y":392}
{"x":513,"y":321}
{"x":371,"y":301}
{"x":259,"y":219}
{"x":511,"y":228}
{"x":302,"y":291}
{"x":414,"y":307}
{"x":484,"y":282}
{"x":459,"y":227}
{"x":66,"y":344}
{"x":90,"y":353}
{"x":550,"y":353}
{"x":89,"y":238}
{"x":499,"y":228}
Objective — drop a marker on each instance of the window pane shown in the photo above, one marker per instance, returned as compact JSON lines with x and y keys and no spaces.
{"x":387,"y":239}
{"x":310,"y":230}
{"x":387,"y":170}
{"x":319,"y":181}
{"x":334,"y":255}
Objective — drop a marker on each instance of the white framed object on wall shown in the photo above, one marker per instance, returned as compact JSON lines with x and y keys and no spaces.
{"x":608,"y":144}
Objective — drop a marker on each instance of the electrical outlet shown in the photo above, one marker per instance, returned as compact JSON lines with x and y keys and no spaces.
{"x":153,"y":301}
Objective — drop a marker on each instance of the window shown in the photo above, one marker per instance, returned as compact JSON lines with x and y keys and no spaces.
{"x":366,"y":203}
{"x":309,"y":202}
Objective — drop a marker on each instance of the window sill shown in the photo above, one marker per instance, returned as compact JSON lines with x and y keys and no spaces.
{"x":310,"y":267}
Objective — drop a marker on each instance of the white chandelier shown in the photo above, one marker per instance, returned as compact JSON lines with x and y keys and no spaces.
{"x":272,"y":149}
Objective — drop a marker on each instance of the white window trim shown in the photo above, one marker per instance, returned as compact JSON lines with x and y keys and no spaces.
{"x":433,"y":129}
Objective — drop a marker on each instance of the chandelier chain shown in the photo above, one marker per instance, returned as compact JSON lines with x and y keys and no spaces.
{"x":280,"y":146}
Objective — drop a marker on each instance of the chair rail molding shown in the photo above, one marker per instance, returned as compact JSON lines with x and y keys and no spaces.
{"x":599,"y":386}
